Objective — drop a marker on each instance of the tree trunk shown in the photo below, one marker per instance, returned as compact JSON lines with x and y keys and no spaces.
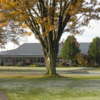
{"x":50,"y":59}
{"x":50,"y":65}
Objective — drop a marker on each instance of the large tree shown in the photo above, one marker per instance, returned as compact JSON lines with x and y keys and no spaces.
{"x":49,"y":19}
{"x":70,"y":49}
{"x":94,"y":50}
{"x":1,"y":37}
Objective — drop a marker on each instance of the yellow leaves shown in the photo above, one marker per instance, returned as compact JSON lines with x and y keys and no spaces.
{"x":46,"y":24}
{"x":52,"y":27}
{"x":24,"y":26}
{"x":8,"y":4}
{"x":39,"y":20}
{"x":3,"y":1}
{"x":22,"y":17}
{"x":29,"y":3}
{"x":15,"y":13}
{"x":13,"y":5}
{"x":3,"y":21}
{"x":3,"y":24}
{"x":43,"y":20}
{"x":72,"y":10}
{"x":2,"y":16}
{"x":48,"y":29}
{"x":74,"y":7}
{"x":27,"y":33}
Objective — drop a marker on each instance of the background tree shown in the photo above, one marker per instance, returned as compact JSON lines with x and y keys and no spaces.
{"x":94,"y":50}
{"x":49,"y":19}
{"x":1,"y":37}
{"x":70,"y":49}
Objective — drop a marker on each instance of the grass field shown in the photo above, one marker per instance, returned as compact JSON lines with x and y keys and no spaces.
{"x":45,"y":88}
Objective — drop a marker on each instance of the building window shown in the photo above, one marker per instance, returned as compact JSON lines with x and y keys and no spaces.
{"x":42,"y":59}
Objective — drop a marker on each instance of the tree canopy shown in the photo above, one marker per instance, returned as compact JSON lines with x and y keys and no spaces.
{"x":70,"y":48}
{"x":44,"y":16}
{"x":94,"y":50}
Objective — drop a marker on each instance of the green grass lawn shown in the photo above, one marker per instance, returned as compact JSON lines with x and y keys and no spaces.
{"x":51,"y":89}
{"x":45,"y":88}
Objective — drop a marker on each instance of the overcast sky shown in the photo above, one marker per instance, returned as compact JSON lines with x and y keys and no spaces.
{"x":91,"y":31}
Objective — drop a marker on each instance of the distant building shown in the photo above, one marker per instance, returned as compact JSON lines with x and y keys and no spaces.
{"x":84,"y":48}
{"x":29,"y":53}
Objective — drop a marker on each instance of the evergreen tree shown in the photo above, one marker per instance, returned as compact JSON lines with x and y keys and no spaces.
{"x":94,"y":50}
{"x":70,"y":48}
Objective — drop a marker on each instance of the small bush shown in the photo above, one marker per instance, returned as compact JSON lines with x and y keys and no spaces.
{"x":82,"y":59}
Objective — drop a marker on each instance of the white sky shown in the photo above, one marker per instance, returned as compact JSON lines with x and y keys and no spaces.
{"x":91,"y":31}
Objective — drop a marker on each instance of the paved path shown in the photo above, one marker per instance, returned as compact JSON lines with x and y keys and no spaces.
{"x":3,"y":96}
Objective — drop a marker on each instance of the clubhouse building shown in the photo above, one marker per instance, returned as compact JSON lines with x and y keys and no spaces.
{"x":29,"y":53}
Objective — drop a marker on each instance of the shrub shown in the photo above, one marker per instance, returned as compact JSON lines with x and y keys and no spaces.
{"x":82,"y":59}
